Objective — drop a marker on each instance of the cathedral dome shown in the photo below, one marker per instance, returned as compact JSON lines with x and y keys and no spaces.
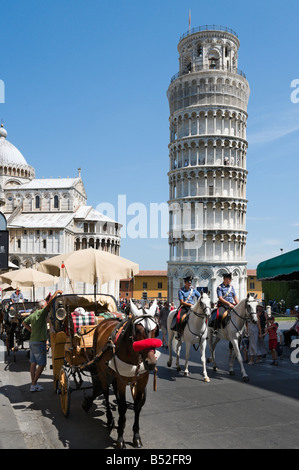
{"x":9,"y":154}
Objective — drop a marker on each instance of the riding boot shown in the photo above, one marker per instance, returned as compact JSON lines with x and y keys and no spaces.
{"x":216,"y":326}
{"x":173,"y":325}
{"x":179,"y":333}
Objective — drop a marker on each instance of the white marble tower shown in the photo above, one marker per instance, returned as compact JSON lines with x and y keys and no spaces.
{"x":208,"y":100}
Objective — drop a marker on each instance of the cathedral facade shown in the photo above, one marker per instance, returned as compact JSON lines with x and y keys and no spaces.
{"x":48,"y":216}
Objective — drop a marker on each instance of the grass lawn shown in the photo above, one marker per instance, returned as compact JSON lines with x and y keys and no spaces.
{"x":284,"y":318}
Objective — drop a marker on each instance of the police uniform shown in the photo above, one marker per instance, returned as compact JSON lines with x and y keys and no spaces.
{"x":188,"y":296}
{"x":227,"y":293}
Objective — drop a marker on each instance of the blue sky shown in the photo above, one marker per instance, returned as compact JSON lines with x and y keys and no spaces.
{"x":85,"y":86}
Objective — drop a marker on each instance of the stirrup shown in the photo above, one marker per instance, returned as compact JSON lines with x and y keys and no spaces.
{"x":215,"y":332}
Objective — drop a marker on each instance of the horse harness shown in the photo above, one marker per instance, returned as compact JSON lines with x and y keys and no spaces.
{"x":115,"y":340}
{"x":199,"y":315}
{"x":134,"y":320}
{"x":239,"y":316}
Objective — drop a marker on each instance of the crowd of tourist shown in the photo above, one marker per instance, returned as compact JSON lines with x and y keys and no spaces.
{"x":253,"y":343}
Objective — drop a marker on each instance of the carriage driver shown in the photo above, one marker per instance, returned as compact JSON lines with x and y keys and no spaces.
{"x":17,"y":296}
{"x":186,"y":297}
{"x":227,"y":299}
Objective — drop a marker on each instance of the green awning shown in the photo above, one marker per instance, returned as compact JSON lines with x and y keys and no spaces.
{"x":281,"y":268}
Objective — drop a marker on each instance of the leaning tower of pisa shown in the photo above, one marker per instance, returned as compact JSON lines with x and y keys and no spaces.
{"x":208,"y":100}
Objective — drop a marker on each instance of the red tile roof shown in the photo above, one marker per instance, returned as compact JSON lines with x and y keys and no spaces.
{"x":251,"y":272}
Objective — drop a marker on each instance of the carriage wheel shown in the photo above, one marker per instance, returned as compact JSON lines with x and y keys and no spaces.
{"x":64,"y":391}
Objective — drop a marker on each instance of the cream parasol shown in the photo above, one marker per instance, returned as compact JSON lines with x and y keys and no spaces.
{"x":89,"y":266}
{"x":6,"y":287}
{"x":27,"y":277}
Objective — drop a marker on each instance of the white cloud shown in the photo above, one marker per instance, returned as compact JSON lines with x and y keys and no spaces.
{"x":269,"y":129}
{"x":269,"y":135}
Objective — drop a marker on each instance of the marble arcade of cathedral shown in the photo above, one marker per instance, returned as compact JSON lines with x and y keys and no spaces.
{"x":49,"y":216}
{"x":208,"y":100}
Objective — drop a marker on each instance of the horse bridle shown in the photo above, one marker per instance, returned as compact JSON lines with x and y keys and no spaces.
{"x":242,"y":318}
{"x":199,"y":315}
{"x":250,"y":313}
{"x":203,"y":314}
{"x":136,"y":320}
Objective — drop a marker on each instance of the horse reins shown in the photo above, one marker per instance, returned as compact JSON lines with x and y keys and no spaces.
{"x":199,"y":315}
{"x":242,"y":318}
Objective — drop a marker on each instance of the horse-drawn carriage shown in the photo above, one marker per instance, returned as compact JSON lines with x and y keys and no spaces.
{"x":72,"y":325}
{"x":90,"y":338}
{"x":13,"y":317}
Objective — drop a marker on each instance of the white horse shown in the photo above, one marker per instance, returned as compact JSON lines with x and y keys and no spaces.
{"x":196,"y":331}
{"x":233,"y":331}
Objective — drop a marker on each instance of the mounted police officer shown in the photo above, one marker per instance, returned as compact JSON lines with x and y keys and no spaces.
{"x":187,"y":296}
{"x":227,"y":299}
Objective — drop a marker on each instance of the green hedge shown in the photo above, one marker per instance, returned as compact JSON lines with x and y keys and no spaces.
{"x":288,"y":291}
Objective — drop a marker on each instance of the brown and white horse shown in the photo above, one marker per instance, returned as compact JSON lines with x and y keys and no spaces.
{"x":125,"y":352}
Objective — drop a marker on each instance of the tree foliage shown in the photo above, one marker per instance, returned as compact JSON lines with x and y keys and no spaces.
{"x":287,"y":291}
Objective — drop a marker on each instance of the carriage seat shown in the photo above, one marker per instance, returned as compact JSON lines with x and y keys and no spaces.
{"x":83,"y":319}
{"x":82,"y":338}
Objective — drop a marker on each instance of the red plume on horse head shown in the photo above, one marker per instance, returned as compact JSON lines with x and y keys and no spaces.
{"x":148,"y":343}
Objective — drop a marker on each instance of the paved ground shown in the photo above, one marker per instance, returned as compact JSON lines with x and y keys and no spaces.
{"x":184,"y":413}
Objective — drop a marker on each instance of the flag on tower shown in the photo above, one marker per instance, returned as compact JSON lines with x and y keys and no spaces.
{"x":189,"y":19}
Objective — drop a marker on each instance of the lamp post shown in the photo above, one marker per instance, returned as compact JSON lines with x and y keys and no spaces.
{"x":4,"y":247}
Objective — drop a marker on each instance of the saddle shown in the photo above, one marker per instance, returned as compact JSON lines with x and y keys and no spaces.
{"x":218,"y":320}
{"x":180,"y":320}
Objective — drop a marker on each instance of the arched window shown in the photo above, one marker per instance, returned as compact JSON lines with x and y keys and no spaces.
{"x":213,"y":60}
{"x":37,"y":202}
{"x":56,"y":202}
{"x":77,"y":244}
